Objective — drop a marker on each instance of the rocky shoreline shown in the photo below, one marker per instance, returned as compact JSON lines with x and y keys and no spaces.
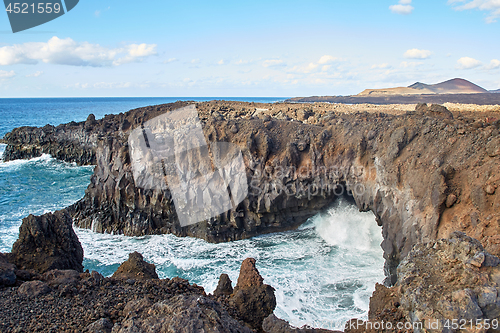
{"x":439,"y":282}
{"x":424,"y":173}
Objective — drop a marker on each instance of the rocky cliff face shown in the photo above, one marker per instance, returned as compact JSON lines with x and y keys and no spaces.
{"x":448,"y":285}
{"x":423,"y":174}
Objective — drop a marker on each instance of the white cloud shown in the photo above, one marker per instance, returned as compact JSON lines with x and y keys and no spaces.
{"x":272,"y":63}
{"x":494,"y":64}
{"x":7,"y":75}
{"x":97,"y":13}
{"x":410,"y":64}
{"x":325,"y":63}
{"x":69,"y":52}
{"x":170,"y":60}
{"x":327,"y":59}
{"x":112,"y":85}
{"x":417,"y":54}
{"x":36,"y":74}
{"x":220,"y":62}
{"x":242,"y":62}
{"x":467,"y":63}
{"x":491,"y":6}
{"x":136,"y":52}
{"x":402,"y":8}
{"x":380,"y":66}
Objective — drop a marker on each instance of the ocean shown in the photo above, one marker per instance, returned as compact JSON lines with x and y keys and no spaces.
{"x":324,"y":272}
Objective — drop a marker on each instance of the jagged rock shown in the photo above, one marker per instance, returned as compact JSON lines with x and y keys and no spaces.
{"x":48,"y":242}
{"x":435,"y":110}
{"x":449,"y":279}
{"x":182,"y":314}
{"x":103,"y":325}
{"x":252,"y":299}
{"x":224,"y":287}
{"x":273,"y":324}
{"x":440,"y":111}
{"x":136,"y":268}
{"x":493,"y":147}
{"x":385,"y":308}
{"x":7,"y":272}
{"x":33,"y":288}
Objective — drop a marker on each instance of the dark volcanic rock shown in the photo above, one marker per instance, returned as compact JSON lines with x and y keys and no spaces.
{"x":273,"y":324}
{"x":252,"y":299}
{"x":135,"y":268}
{"x":7,"y":272}
{"x":224,"y":287}
{"x":48,"y":242}
{"x":103,"y":325}
{"x":33,"y":288}
{"x":183,"y":314}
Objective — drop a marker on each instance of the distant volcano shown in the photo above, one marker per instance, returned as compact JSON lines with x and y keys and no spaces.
{"x":453,"y":86}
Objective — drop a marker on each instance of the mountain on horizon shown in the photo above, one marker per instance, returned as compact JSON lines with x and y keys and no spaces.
{"x":453,"y":86}
{"x":494,"y":91}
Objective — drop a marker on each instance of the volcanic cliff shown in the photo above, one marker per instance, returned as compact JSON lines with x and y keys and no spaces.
{"x":423,"y":173}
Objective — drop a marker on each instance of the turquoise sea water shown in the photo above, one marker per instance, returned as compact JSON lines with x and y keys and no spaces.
{"x":323,"y":273}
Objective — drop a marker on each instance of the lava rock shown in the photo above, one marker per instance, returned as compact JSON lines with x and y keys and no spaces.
{"x":34,"y":288}
{"x":273,"y":324}
{"x":103,"y":325}
{"x":7,"y":272}
{"x":136,"y":268}
{"x":182,"y":314}
{"x":252,"y":299}
{"x":224,"y":287}
{"x":48,"y":242}
{"x":446,"y":279}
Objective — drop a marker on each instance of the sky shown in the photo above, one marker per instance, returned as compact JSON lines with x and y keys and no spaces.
{"x":250,"y":48}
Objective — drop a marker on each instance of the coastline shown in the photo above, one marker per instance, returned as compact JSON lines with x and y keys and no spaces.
{"x":351,"y":135}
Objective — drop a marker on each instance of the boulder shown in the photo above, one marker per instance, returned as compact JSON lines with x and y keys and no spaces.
{"x":435,"y":110}
{"x":34,"y":288}
{"x":135,"y":268}
{"x":48,"y":242}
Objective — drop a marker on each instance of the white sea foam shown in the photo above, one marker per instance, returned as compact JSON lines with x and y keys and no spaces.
{"x":323,"y":273}
{"x":15,"y":164}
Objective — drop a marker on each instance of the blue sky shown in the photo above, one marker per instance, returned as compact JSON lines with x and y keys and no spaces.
{"x":251,"y":48}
